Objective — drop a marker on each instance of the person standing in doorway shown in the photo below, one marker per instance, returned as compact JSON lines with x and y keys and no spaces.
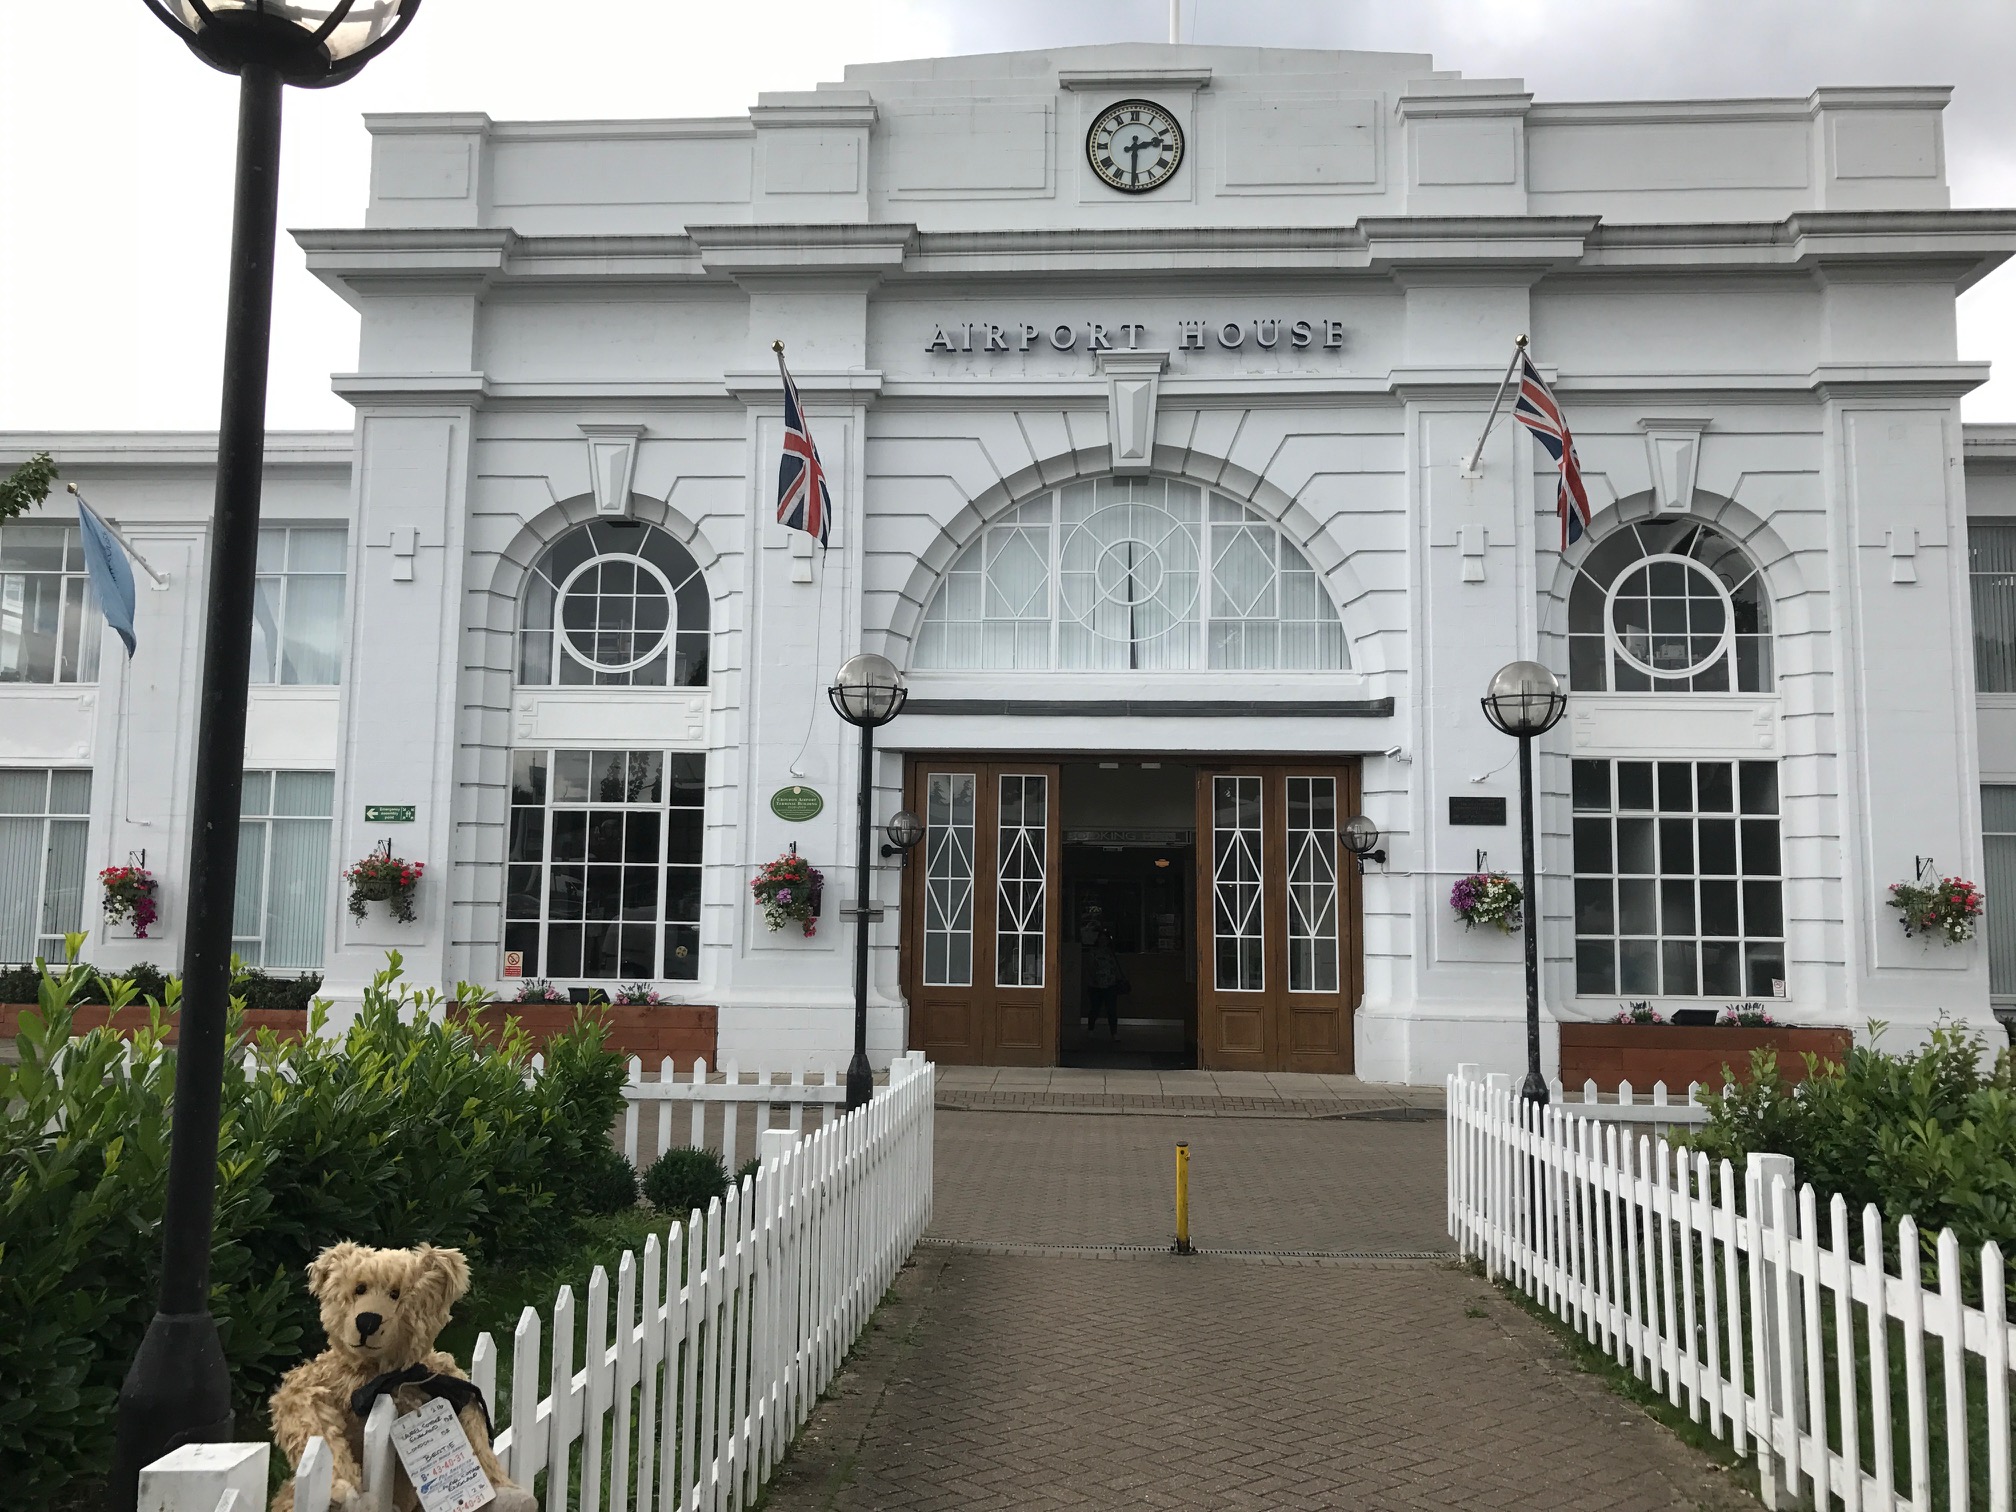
{"x":1101,"y":975}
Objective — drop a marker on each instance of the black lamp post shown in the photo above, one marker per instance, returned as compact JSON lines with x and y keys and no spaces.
{"x":867,"y":692}
{"x":1525,"y":700}
{"x":178,"y":1389}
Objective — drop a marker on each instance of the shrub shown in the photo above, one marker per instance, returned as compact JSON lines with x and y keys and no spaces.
{"x":94,"y":985}
{"x":411,"y":1128}
{"x":684,"y":1179}
{"x":1932,"y":1134}
{"x":260,"y":991}
{"x":748,"y":1169}
{"x":605,"y":1183}
{"x":583,"y":1086}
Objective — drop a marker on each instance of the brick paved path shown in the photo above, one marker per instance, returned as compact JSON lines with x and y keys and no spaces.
{"x":1011,"y":1372}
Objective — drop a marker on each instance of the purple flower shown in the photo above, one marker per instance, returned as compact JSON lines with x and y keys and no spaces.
{"x":783,"y":895}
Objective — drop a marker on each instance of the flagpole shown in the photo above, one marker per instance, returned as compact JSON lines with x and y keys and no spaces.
{"x":113,"y":530}
{"x":1477,"y":454}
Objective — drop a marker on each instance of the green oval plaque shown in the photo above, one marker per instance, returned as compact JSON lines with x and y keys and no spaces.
{"x":795,"y":805}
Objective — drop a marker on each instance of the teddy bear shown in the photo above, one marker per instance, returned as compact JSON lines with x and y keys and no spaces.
{"x":382,"y":1310}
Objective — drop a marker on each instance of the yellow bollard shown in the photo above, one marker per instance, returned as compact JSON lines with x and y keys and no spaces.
{"x":1182,"y":1244}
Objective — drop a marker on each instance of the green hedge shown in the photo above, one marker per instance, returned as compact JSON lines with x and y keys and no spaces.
{"x":22,"y":984}
{"x":1931,"y":1134}
{"x":409,"y":1128}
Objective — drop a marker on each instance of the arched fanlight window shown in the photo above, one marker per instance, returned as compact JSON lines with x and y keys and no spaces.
{"x":616,"y":604}
{"x":1669,"y":606}
{"x":1132,"y":574}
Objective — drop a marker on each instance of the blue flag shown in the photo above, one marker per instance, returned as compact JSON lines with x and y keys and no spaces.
{"x":111,"y":577}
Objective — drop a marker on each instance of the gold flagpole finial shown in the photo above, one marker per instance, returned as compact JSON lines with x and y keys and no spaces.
{"x":1521,"y":342}
{"x":71,"y":486}
{"x":777,"y":347}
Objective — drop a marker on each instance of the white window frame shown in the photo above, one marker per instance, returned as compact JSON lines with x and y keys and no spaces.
{"x":47,"y":934}
{"x":80,"y":627}
{"x":317,"y":905}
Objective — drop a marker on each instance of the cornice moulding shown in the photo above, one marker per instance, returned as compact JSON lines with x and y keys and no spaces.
{"x":765,"y":386}
{"x":412,"y":388}
{"x":1133,"y":78}
{"x":104,"y":451}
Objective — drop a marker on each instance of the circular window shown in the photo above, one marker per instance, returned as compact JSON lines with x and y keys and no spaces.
{"x":1129,"y":572}
{"x":1669,"y":616}
{"x":615,"y":613}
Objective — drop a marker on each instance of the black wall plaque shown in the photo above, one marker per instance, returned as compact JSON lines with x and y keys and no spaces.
{"x":1476,"y":810}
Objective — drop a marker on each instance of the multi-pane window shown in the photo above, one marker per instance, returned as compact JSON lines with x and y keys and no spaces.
{"x":948,"y":878}
{"x":297,"y":613}
{"x":603,"y":866}
{"x":279,"y":913}
{"x":1312,"y":884}
{"x":1668,"y":606}
{"x":1235,"y":884}
{"x":1019,"y":900}
{"x":1998,"y":826}
{"x":1678,"y":879}
{"x":614,"y":604}
{"x":44,"y":828}
{"x":1991,"y":561}
{"x":1132,"y":575}
{"x":50,"y":627}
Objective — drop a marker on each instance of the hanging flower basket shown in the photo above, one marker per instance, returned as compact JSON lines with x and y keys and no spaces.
{"x":1949,"y":909}
{"x":789,"y":891}
{"x":129,"y":894}
{"x":382,"y":877}
{"x":1488,"y":898}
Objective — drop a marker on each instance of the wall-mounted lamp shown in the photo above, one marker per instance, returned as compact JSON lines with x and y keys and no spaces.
{"x":904,"y":830}
{"x":1361,"y":837}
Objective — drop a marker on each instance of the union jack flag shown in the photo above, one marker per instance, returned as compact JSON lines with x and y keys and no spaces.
{"x":803,"y":502}
{"x":1536,"y":410}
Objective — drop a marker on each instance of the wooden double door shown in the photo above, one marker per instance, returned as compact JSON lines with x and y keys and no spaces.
{"x":1279,"y":966}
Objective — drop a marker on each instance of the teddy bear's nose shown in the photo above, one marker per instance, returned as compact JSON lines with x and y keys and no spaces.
{"x":368,"y":1324}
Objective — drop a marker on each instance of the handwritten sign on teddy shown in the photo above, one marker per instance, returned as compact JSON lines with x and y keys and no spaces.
{"x":431,"y":1445}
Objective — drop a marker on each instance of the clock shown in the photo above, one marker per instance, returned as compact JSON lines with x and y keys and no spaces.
{"x":1134,"y":146}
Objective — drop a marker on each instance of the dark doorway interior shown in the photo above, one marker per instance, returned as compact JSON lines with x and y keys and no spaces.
{"x":1129,"y":906}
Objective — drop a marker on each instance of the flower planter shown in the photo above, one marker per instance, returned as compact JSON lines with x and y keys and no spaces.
{"x":684,"y":1031}
{"x":288,"y":1023}
{"x":1643,"y":1054}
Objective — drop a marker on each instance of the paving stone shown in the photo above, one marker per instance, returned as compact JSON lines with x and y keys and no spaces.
{"x":1036,"y":1380}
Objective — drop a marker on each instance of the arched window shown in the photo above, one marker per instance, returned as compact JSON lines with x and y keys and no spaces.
{"x":614,"y":604}
{"x":1132,"y":574}
{"x":1669,"y":606}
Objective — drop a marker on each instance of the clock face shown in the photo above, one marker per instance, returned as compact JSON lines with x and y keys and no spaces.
{"x":1135,"y":146}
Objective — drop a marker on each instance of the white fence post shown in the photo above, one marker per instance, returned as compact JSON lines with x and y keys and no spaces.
{"x":1775,"y":1342}
{"x":1724,"y":1308}
{"x":197,"y":1477}
{"x":742,"y":1316}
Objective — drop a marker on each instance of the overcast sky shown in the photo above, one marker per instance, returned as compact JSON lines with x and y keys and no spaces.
{"x":115,"y":143}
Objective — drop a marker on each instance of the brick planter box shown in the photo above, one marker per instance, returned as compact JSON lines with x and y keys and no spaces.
{"x":684,"y":1031}
{"x":1646,"y":1053}
{"x":288,"y":1023}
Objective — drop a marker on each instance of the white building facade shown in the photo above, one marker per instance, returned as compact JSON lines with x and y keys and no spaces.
{"x":1144,"y":378}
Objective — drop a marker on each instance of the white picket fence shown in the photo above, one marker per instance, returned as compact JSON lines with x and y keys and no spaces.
{"x":766,"y":1097}
{"x":1756,"y":1317}
{"x":722,"y":1337}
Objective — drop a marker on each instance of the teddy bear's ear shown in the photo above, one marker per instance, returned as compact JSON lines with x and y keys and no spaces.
{"x":447,"y":1269}
{"x":331,"y":1263}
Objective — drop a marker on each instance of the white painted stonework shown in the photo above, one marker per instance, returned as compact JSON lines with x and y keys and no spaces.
{"x":1746,"y":307}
